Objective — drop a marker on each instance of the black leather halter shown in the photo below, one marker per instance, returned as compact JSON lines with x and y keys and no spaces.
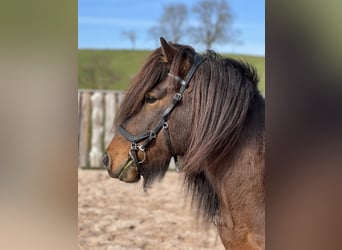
{"x":148,"y":136}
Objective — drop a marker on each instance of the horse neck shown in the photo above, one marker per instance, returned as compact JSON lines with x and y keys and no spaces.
{"x":238,"y":180}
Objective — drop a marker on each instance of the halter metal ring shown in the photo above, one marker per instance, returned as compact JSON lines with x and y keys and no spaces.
{"x":141,"y":148}
{"x":143,"y":158}
{"x":139,"y":162}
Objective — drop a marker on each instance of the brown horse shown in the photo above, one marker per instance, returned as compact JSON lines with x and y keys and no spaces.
{"x":208,"y":110}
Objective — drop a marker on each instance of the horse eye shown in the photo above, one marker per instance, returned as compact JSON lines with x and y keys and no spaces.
{"x":150,"y":99}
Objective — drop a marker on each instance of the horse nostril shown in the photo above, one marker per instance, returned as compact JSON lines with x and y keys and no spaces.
{"x":105,"y":159}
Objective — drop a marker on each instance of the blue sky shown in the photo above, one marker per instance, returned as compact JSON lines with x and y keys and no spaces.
{"x":101,"y":23}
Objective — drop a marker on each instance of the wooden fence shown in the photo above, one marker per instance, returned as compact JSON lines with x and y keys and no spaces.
{"x":96,"y":109}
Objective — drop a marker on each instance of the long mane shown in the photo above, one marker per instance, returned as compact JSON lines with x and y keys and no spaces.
{"x":222,"y":98}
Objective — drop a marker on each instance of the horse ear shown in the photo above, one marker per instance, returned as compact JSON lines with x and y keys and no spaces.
{"x":168,"y":51}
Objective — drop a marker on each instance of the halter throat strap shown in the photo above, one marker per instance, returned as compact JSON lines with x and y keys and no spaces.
{"x":148,"y":136}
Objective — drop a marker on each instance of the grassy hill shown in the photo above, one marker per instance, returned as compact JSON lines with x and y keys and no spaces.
{"x":113,"y":69}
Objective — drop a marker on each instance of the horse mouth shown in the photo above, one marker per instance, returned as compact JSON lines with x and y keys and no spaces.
{"x":127,"y":173}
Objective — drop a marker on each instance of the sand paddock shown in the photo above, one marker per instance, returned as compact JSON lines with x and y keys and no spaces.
{"x":114,"y":215}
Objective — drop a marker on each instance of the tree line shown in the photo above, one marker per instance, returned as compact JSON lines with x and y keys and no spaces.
{"x":212,"y":24}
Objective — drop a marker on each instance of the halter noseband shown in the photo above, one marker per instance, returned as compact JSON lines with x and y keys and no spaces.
{"x":148,"y":136}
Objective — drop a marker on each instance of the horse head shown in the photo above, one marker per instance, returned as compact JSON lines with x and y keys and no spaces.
{"x":153,"y":123}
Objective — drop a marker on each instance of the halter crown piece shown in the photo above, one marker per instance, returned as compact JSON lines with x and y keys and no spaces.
{"x":148,"y":136}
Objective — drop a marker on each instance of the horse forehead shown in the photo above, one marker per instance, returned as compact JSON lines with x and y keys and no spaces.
{"x":161,"y":86}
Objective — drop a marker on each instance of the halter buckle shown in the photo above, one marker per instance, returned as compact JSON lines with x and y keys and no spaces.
{"x":136,"y":147}
{"x":177,"y":98}
{"x":152,"y":135}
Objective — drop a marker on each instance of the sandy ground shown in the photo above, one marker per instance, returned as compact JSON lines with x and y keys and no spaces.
{"x":113,"y":215}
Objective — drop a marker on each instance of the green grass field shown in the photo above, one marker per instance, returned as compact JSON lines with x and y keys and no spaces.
{"x":113,"y":69}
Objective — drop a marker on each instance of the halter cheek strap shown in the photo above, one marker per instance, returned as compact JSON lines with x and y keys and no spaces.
{"x":169,"y":144}
{"x":148,"y":136}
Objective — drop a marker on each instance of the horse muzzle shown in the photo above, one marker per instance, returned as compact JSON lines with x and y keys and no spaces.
{"x":127,"y":172}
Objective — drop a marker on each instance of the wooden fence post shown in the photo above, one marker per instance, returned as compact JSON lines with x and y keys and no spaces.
{"x":96,"y":151}
{"x":84,"y":122}
{"x":109,"y":117}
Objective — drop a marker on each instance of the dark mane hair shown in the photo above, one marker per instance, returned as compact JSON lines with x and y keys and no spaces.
{"x":222,"y":96}
{"x":152,"y":72}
